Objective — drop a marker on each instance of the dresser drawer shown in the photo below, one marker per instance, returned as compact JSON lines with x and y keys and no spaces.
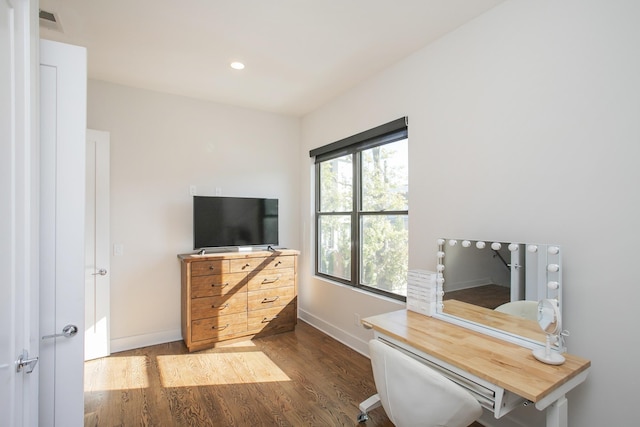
{"x":275,"y":319}
{"x":267,"y":298}
{"x":218,"y":306}
{"x":262,"y":263}
{"x":267,"y":279}
{"x":205,"y":268}
{"x":216,"y":302}
{"x":217,"y":284}
{"x":217,"y":327}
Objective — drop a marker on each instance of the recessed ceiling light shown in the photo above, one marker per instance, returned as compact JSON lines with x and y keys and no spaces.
{"x":237,"y":65}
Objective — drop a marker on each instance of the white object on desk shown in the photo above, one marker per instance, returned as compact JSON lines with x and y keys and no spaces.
{"x":549,"y":320}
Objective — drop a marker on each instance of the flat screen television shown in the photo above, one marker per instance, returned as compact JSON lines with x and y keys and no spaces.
{"x":234,"y":221}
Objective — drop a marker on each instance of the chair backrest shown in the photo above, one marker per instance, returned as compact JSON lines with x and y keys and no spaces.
{"x":412,"y":394}
{"x":524,"y":309}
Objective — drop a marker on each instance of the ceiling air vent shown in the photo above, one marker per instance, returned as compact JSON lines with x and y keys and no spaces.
{"x":50,"y":20}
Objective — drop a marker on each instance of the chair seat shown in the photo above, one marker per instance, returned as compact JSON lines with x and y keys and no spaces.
{"x":524,"y":309}
{"x":412,"y":394}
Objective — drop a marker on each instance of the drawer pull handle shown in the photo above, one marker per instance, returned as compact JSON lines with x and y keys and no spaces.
{"x":211,"y":267}
{"x":219,"y":285}
{"x":221,"y":307}
{"x":267,"y":280}
{"x":267,"y":320}
{"x":220,"y":327}
{"x":278,"y":263}
{"x":246,"y":265}
{"x":266,"y":300}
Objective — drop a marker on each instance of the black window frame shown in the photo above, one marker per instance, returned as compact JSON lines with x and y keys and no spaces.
{"x":387,"y":133}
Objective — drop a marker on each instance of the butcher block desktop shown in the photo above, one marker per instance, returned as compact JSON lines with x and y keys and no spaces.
{"x":501,"y":375}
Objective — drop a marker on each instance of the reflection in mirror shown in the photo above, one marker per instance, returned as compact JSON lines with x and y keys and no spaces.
{"x":497,"y":285}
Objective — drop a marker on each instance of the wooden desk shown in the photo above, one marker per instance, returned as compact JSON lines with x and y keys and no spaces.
{"x":501,"y":375}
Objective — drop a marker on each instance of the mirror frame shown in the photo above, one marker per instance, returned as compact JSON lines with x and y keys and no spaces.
{"x":551,"y":282}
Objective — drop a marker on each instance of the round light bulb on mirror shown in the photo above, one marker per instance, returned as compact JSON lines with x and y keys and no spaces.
{"x":496,"y":246}
{"x":553,"y":250}
{"x":440,"y":267}
{"x":440,"y":242}
{"x":513,"y":247}
{"x":466,"y":243}
{"x":453,"y":242}
{"x":480,"y":245}
{"x":553,"y":285}
{"x":553,"y":268}
{"x":440,"y":281}
{"x":532,"y":248}
{"x":440,"y":254}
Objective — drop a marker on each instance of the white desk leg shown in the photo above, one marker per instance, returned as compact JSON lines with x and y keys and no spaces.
{"x":557,"y":414}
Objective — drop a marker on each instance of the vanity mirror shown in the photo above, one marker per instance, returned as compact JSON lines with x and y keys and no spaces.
{"x":494,"y":287}
{"x":549,"y":321}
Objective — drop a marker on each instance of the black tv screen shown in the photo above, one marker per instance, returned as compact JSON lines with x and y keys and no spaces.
{"x":234,"y":221}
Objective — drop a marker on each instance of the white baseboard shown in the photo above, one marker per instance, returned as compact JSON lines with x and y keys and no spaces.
{"x":137,"y":341}
{"x":144,"y":340}
{"x":336,"y":333}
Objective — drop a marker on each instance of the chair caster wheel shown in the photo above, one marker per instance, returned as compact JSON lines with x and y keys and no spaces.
{"x":362,"y":417}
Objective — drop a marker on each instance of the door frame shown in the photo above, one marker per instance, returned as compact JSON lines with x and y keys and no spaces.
{"x":20,"y":32}
{"x":97,"y":254}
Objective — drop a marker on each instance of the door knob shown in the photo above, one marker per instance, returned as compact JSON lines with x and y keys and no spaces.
{"x":67,"y":332}
{"x":101,"y":272}
{"x":25,"y":362}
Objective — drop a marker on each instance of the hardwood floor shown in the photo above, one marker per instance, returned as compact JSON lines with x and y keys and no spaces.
{"x":301,"y":378}
{"x":488,"y":296}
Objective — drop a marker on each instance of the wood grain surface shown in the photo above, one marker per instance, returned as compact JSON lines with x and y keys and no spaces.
{"x":508,"y":365}
{"x":300,"y":378}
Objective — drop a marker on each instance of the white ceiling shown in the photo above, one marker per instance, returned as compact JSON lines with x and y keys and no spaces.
{"x":299,"y":54}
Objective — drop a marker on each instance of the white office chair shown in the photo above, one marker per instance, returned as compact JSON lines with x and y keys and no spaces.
{"x":412,"y":394}
{"x":524,"y":309}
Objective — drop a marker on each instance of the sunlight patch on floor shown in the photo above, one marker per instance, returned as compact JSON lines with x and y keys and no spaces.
{"x":220,"y":368}
{"x":117,"y":373}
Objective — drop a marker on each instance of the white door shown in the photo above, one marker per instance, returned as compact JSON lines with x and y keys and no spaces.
{"x":97,"y":269}
{"x":18,"y":214}
{"x":63,"y":107}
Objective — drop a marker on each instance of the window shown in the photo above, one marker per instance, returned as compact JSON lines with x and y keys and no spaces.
{"x":362,"y":210}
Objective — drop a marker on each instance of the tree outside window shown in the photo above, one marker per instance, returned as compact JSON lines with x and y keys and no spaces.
{"x":362,"y":215}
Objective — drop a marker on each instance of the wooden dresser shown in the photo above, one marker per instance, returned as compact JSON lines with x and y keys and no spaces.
{"x":237,"y":294}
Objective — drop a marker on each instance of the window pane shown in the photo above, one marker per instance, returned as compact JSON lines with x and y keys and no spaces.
{"x":334,"y":257}
{"x":336,"y":185}
{"x":385,"y":252}
{"x":385,"y":178}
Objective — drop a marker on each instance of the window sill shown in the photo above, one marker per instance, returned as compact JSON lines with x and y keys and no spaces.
{"x":380,"y":297}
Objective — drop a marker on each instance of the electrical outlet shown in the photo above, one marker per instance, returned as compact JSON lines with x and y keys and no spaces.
{"x":356,"y":319}
{"x":218,"y":191}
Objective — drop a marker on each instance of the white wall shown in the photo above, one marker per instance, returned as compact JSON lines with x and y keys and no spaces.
{"x":532,"y":113}
{"x":160,"y":145}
